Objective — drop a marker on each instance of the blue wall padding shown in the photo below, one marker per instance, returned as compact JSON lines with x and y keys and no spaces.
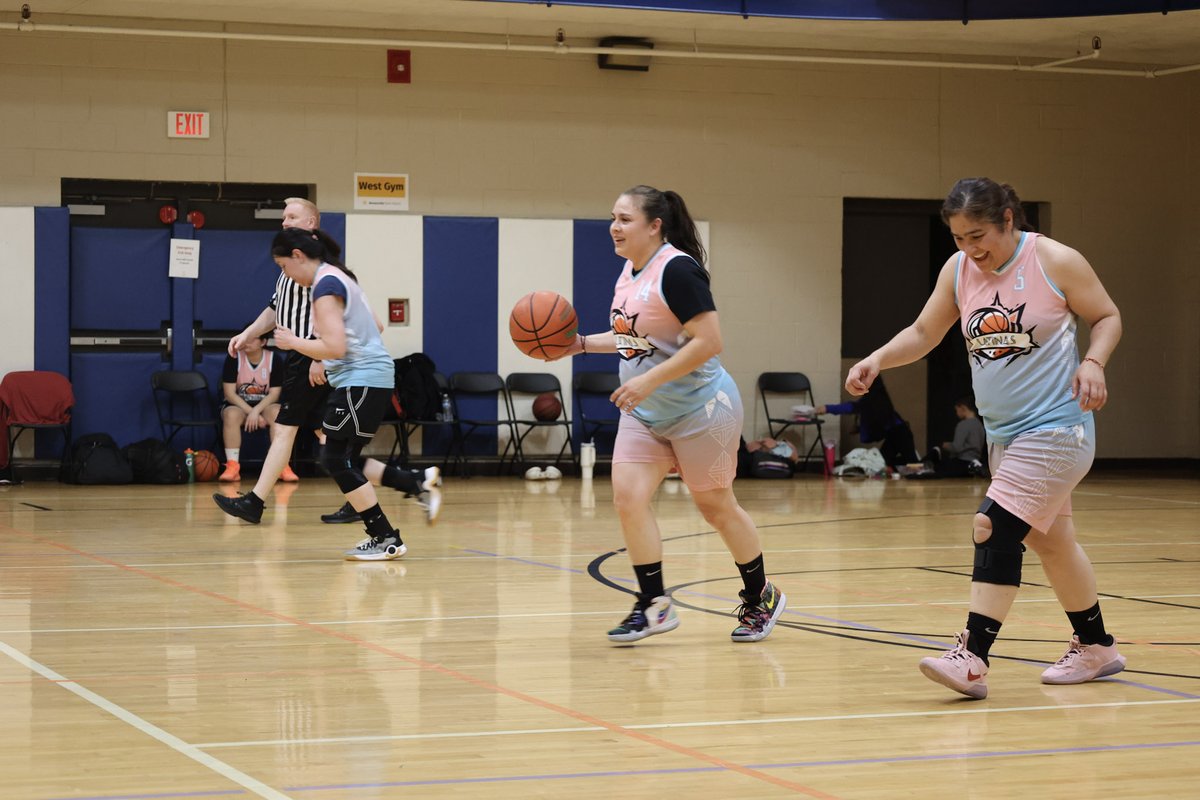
{"x":113,"y":395}
{"x":119,"y":279}
{"x":182,"y":299}
{"x":461,"y":275}
{"x":52,"y":290}
{"x":237,"y":278}
{"x":596,"y":268}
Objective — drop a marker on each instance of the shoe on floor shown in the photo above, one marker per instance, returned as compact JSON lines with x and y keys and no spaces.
{"x":658,"y":617}
{"x":958,"y":669}
{"x":535,"y":474}
{"x":552,"y":473}
{"x":1084,"y":662}
{"x":371,"y":549}
{"x":757,"y":615}
{"x":245,"y":506}
{"x":430,"y":497}
{"x":232,"y":473}
{"x":287,"y":476}
{"x":344,"y":514}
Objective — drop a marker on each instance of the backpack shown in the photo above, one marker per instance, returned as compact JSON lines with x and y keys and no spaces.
{"x":768,"y":464}
{"x":153,"y":461}
{"x":418,"y":395}
{"x":95,"y":460}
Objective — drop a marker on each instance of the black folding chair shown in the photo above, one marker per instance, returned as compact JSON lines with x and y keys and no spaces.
{"x":598,"y":417}
{"x":523,"y":385}
{"x":469,"y":395}
{"x":790,"y":388}
{"x":183,"y":401}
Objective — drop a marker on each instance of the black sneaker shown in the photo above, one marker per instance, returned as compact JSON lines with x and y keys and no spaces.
{"x":344,"y":514}
{"x":245,"y":506}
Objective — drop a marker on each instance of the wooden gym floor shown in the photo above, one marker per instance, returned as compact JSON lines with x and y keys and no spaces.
{"x":151,"y":647}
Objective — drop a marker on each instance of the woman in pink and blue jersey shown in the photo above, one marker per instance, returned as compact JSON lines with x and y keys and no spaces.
{"x":680,"y":408}
{"x":1016,"y":296}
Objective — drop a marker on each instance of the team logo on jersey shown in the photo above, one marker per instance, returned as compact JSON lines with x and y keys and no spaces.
{"x":995,"y":333}
{"x":630,"y":345}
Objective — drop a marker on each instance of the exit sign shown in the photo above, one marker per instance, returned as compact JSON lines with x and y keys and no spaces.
{"x":187,"y":124}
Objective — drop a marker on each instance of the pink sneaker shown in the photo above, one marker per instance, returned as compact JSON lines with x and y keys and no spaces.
{"x":1085,"y":662}
{"x":958,"y":669}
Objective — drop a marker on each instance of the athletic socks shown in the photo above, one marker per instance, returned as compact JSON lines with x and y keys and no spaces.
{"x":377,"y":523}
{"x":754,"y":576}
{"x":650,"y":581}
{"x":403,"y":480}
{"x":1089,"y":626}
{"x":984,"y":631}
{"x":232,"y":453}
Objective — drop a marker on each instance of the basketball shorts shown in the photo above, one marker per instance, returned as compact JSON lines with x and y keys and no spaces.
{"x":300,"y":403}
{"x":703,"y":444}
{"x":1034,"y":474}
{"x":354,"y":412}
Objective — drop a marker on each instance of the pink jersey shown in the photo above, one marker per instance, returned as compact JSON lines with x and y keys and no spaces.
{"x":647,"y":334}
{"x":254,"y":380}
{"x":1020,"y":337}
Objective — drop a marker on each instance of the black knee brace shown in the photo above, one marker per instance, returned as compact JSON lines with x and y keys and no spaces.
{"x":998,"y":560}
{"x":338,"y":458}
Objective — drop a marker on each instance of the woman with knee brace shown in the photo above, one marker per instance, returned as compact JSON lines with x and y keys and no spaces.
{"x":362,"y":375}
{"x":1016,"y":296}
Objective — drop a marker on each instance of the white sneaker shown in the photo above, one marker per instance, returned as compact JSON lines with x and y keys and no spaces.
{"x":377,"y":549}
{"x":552,"y":473}
{"x":430,"y":497}
{"x":535,"y":474}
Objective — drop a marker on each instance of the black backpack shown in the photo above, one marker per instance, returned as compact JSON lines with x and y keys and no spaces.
{"x":95,"y":460}
{"x":153,"y":461}
{"x":417,"y":390}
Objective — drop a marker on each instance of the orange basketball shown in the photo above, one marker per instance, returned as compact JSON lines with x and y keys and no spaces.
{"x":205,"y":466}
{"x":546,"y":407}
{"x":543,"y":325}
{"x":994,"y":322}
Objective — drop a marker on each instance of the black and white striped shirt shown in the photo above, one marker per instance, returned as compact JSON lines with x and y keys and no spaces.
{"x":293,"y":306}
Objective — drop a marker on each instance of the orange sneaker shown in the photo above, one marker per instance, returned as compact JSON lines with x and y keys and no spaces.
{"x":233,"y":472}
{"x":287,"y":476}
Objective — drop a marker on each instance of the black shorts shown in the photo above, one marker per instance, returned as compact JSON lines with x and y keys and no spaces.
{"x":301,"y":403}
{"x":354,"y":412}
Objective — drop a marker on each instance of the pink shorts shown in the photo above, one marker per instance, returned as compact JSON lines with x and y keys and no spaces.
{"x":702,"y":444}
{"x":1033,"y":475}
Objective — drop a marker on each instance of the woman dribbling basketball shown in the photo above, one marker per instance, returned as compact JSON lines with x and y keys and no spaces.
{"x":679,"y":408}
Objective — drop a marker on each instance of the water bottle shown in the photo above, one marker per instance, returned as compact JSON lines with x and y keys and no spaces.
{"x":447,"y":415}
{"x":189,"y":456}
{"x":587,"y":459}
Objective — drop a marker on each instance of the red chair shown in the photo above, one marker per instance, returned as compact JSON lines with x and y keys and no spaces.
{"x":32,"y":400}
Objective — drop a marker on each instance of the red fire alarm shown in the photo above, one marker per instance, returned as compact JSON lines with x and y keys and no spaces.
{"x":398,"y":312}
{"x":399,"y":66}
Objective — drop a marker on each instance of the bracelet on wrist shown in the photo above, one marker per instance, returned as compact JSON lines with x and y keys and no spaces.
{"x":583,"y":344}
{"x":1094,"y":361}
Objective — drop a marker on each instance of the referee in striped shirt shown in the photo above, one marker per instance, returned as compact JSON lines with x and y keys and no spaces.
{"x":305,"y":389}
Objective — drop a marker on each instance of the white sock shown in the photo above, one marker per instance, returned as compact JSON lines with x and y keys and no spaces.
{"x":232,"y":453}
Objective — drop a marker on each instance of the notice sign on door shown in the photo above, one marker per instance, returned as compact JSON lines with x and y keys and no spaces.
{"x":185,"y":259}
{"x":375,"y":192}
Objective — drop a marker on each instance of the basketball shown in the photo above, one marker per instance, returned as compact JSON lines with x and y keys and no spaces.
{"x":205,"y":466}
{"x":546,"y":407}
{"x":543,"y":325}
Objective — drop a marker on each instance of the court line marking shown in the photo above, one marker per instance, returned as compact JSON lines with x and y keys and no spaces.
{"x":447,"y":672}
{"x":696,"y":724}
{"x":128,"y":717}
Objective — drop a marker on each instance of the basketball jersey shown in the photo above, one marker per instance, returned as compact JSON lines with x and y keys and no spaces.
{"x":253,"y":380}
{"x":366,"y":362}
{"x":647,"y":333}
{"x":1020,"y":338}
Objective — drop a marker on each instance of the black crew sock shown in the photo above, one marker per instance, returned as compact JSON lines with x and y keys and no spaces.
{"x":377,"y":524}
{"x":984,"y":631}
{"x":402,"y":480}
{"x":650,"y":582}
{"x":754,"y":576}
{"x":1089,"y":626}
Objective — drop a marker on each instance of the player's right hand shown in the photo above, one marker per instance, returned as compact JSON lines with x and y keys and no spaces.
{"x":237,"y":343}
{"x":861,"y":376}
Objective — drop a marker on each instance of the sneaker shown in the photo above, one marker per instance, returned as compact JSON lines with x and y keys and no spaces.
{"x":287,"y":476}
{"x":370,"y":549}
{"x":757,"y":615}
{"x":552,"y":473}
{"x":430,"y":497}
{"x":535,"y":474}
{"x":245,"y":506}
{"x":1085,"y":662}
{"x":958,"y":669}
{"x":658,"y":617}
{"x":232,"y":473}
{"x":344,"y":514}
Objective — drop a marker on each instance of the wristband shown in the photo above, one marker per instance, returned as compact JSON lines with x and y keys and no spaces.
{"x":1094,"y":361}
{"x":583,"y":344}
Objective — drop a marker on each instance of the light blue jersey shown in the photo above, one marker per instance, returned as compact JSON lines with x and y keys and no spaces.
{"x":366,"y":362}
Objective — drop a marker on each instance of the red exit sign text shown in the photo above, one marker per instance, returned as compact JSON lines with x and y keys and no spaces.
{"x":187,"y":124}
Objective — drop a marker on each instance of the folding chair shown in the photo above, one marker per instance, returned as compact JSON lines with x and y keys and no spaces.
{"x":34,"y":400}
{"x":469,"y":392}
{"x":596,"y":414}
{"x":791,"y":387}
{"x":533,"y":384}
{"x":182,"y":400}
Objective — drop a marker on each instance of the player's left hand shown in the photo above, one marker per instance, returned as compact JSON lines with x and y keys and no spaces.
{"x":629,"y":396}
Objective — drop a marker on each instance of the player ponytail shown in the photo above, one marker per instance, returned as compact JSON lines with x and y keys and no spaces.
{"x":984,"y":199}
{"x":315,"y":244}
{"x":678,"y":227}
